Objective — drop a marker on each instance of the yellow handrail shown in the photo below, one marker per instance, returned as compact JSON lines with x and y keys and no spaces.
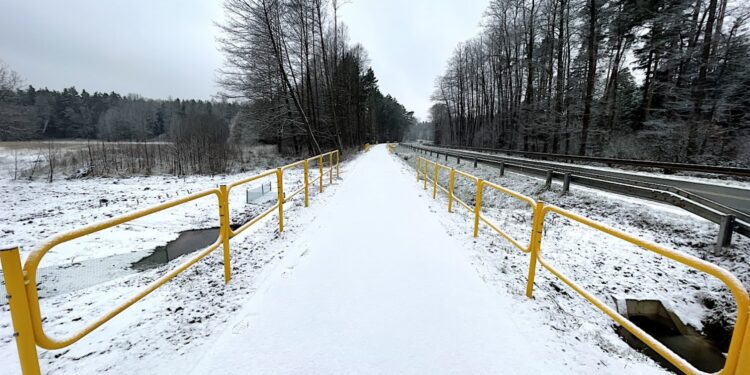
{"x":485,"y":184}
{"x":21,"y":283}
{"x":738,"y":356}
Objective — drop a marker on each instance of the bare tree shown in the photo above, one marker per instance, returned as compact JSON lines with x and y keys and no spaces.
{"x":9,"y":81}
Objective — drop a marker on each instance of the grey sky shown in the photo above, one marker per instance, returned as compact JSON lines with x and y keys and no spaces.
{"x":167,"y":48}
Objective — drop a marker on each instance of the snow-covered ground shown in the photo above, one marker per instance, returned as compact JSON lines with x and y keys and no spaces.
{"x":82,"y":279}
{"x":609,"y":267}
{"x":376,"y":285}
{"x":173,"y":328}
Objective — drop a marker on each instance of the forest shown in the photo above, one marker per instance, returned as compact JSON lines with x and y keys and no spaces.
{"x":291,"y":78}
{"x":644,"y":79}
{"x":304,"y":83}
{"x":30,"y":113}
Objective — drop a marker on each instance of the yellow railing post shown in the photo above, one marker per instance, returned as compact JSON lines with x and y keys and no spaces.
{"x":478,"y":206}
{"x":743,"y":362}
{"x":537,"y":227}
{"x":419,"y":161}
{"x":280,"y":188}
{"x":424,"y":173}
{"x":434,"y":180}
{"x":451,"y":182}
{"x":307,"y":178}
{"x":15,"y":284}
{"x":330,"y":172}
{"x":320,"y":166}
{"x":224,"y":230}
{"x":337,"y":163}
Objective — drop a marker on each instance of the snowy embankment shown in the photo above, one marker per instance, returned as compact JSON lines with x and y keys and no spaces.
{"x":82,"y":279}
{"x":606,"y":266}
{"x":376,"y":286}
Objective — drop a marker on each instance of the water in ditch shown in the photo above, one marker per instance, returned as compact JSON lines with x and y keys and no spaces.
{"x":700,"y":351}
{"x":185,"y":243}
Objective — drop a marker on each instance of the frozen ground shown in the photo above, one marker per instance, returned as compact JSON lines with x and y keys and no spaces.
{"x":172,"y":329}
{"x":82,"y":279}
{"x":604,"y":265}
{"x":376,"y":285}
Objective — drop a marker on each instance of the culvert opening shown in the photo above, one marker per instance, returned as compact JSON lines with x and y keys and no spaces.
{"x":666,"y":327}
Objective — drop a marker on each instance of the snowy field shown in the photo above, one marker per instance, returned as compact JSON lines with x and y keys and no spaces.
{"x":82,"y":279}
{"x":609,"y":267}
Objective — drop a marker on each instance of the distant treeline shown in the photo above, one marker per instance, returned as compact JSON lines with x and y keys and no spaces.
{"x":29,"y":113}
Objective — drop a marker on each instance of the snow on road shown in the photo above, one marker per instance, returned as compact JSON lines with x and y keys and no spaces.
{"x":378,"y":286}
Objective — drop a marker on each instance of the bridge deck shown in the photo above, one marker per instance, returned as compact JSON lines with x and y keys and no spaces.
{"x":375,"y":285}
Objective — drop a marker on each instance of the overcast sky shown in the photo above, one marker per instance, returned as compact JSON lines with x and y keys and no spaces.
{"x":167,"y":48}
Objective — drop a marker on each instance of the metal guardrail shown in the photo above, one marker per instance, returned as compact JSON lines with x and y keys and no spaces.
{"x":21,"y":282}
{"x":730,"y":220}
{"x":665,"y":166}
{"x":738,"y":355}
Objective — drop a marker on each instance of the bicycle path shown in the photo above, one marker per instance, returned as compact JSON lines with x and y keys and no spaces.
{"x":377,"y":286}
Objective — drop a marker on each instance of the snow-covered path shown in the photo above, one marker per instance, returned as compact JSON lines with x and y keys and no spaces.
{"x":377,"y":286}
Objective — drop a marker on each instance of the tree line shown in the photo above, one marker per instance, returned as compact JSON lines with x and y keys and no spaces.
{"x":30,"y":113}
{"x":125,"y":134}
{"x":658,"y":79}
{"x":303,"y":83}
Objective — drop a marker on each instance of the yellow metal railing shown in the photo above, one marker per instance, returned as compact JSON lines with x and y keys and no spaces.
{"x":367,"y":147}
{"x":21,"y":282}
{"x":738,"y":355}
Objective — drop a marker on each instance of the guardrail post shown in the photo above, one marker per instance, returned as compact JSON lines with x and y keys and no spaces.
{"x":434,"y":180}
{"x":458,"y":160}
{"x":15,"y":285}
{"x":320,"y":166}
{"x":424,"y":163}
{"x":478,"y":206}
{"x":446,"y":158}
{"x":451,"y":184}
{"x":337,"y":163}
{"x":330,"y":172}
{"x":566,"y":183}
{"x":224,"y":230}
{"x":537,"y":227}
{"x":280,"y":196}
{"x":475,"y":163}
{"x":502,"y":168}
{"x":726,"y":229}
{"x":307,"y":181}
{"x":548,"y":180}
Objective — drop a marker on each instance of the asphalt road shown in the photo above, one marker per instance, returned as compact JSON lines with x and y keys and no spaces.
{"x":733,"y":197}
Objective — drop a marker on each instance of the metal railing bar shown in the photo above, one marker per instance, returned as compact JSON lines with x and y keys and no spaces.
{"x":235,"y":232}
{"x":510,"y":239}
{"x":47,"y":342}
{"x":660,"y":348}
{"x":267,"y":173}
